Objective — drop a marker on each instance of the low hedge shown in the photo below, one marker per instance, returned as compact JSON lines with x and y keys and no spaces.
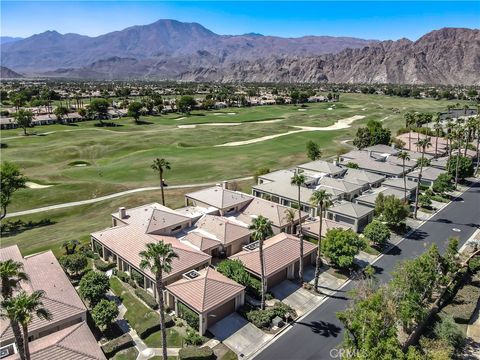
{"x":152,"y":324}
{"x":103,"y":266}
{"x":123,"y":276}
{"x":190,"y":316}
{"x":147,"y":298}
{"x":121,"y":343}
{"x":263,"y":318}
{"x":192,"y":353}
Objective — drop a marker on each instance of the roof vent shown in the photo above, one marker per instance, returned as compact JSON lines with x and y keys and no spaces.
{"x":192,"y":274}
{"x":122,"y":212}
{"x":252,"y":246}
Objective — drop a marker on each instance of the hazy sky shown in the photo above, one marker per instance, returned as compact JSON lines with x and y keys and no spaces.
{"x":370,"y":20}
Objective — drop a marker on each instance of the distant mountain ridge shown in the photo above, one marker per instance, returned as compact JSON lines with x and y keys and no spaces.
{"x":9,"y":39}
{"x":169,"y":49}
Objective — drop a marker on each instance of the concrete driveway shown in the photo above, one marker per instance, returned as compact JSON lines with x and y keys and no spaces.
{"x":295,"y":296}
{"x":239,"y":335}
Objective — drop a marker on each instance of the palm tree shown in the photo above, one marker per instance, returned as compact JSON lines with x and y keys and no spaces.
{"x":424,"y":143}
{"x":320,"y":199}
{"x":299,"y":180}
{"x":459,"y":135}
{"x":11,"y":274}
{"x":158,"y":258}
{"x":290,"y":217}
{"x":450,"y":137}
{"x":478,"y":140}
{"x":405,"y":157}
{"x":470,"y":130}
{"x":261,"y":229}
{"x":409,"y":121}
{"x":161,"y":165}
{"x":438,"y":129}
{"x":22,"y":309}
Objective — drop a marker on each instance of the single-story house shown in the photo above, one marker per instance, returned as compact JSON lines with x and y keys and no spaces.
{"x":350,"y":190}
{"x":277,"y":187}
{"x":364,"y":178}
{"x":274,"y":212}
{"x":369,"y":198}
{"x":439,"y":163}
{"x":322,"y":167}
{"x":356,"y":215}
{"x":208,"y":293}
{"x":429,"y":175}
{"x":372,"y":162}
{"x":311,"y":228}
{"x":383,"y":149}
{"x":281,"y":258}
{"x":230,"y":234}
{"x":399,"y":184}
{"x":219,"y":197}
{"x":67,"y":330}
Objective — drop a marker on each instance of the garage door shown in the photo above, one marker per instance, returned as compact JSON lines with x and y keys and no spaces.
{"x":220,"y":312}
{"x":277,"y":278}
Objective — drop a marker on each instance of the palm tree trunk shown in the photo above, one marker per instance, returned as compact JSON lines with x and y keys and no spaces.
{"x":262,"y":273}
{"x":19,"y":342}
{"x":161,"y":305}
{"x":409,"y":139}
{"x":319,"y":257}
{"x":300,"y":235}
{"x":161,"y":187}
{"x":404,"y":182}
{"x":418,"y":187}
{"x":436,"y":145}
{"x":457,"y":166}
{"x":26,"y":346}
{"x":478,"y":151}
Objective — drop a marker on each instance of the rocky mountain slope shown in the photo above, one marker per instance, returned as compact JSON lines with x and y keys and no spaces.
{"x":6,"y":73}
{"x":169,"y":49}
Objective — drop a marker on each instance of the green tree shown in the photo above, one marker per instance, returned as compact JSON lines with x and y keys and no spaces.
{"x":74,"y":263}
{"x":405,"y":157}
{"x":186,"y":103}
{"x":261,"y":229}
{"x":299,"y":180}
{"x":409,"y":122}
{"x":352,"y":165}
{"x":70,"y":246}
{"x":104,"y":314}
{"x":465,"y":166}
{"x":321,"y":200}
{"x":393,"y":210}
{"x":98,"y":109}
{"x":24,"y":119}
{"x":93,"y":287}
{"x":11,"y":274}
{"x":259,"y":172}
{"x":135,"y":110}
{"x":158,"y":258}
{"x":22,"y":309}
{"x":313,"y":150}
{"x":60,"y":112}
{"x":363,"y":138}
{"x":377,"y":232}
{"x":340,"y":247}
{"x":425,"y":200}
{"x":11,"y":181}
{"x":160,"y":165}
{"x":447,"y":330}
{"x":379,"y":134}
{"x":423,"y":144}
{"x":290,"y":218}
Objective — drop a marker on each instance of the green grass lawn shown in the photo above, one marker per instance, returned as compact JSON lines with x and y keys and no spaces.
{"x":136,"y":311}
{"x":119,"y":158}
{"x":174,"y":339}
{"x":127,"y":354}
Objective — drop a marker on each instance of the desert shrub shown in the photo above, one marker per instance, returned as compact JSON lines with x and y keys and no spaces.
{"x":135,"y":275}
{"x":446,"y":329}
{"x":193,"y":337}
{"x":147,"y":298}
{"x":121,"y":343}
{"x":190,"y":316}
{"x":103,"y":266}
{"x":192,"y":353}
{"x":259,"y":318}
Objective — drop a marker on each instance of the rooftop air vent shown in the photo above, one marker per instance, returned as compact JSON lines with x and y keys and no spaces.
{"x":192,"y":274}
{"x":252,"y":246}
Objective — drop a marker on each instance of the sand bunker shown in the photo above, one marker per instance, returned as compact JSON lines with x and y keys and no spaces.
{"x":180,"y":118}
{"x":32,"y":185}
{"x":193,"y":126}
{"x":302,"y":109}
{"x":340,"y":124}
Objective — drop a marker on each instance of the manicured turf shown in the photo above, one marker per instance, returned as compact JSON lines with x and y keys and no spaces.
{"x":128,"y":354}
{"x":174,"y":339}
{"x":120,"y":157}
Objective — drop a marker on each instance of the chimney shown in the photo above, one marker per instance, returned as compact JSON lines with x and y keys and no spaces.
{"x":122,"y":212}
{"x":369,"y":153}
{"x":225,"y":184}
{"x":335,"y":162}
{"x":393,"y":146}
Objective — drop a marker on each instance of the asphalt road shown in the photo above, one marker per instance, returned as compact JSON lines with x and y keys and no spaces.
{"x":319,"y":334}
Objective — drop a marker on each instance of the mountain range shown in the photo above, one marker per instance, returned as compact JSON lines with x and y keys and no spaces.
{"x":169,"y":49}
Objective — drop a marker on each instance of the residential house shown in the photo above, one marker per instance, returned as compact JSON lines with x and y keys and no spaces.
{"x":311,"y":228}
{"x":429,"y":175}
{"x":209,"y":294}
{"x":66,"y":335}
{"x":281,"y":258}
{"x":399,"y":184}
{"x":355,"y":215}
{"x":370,"y":197}
{"x":322,"y":167}
{"x":364,"y":178}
